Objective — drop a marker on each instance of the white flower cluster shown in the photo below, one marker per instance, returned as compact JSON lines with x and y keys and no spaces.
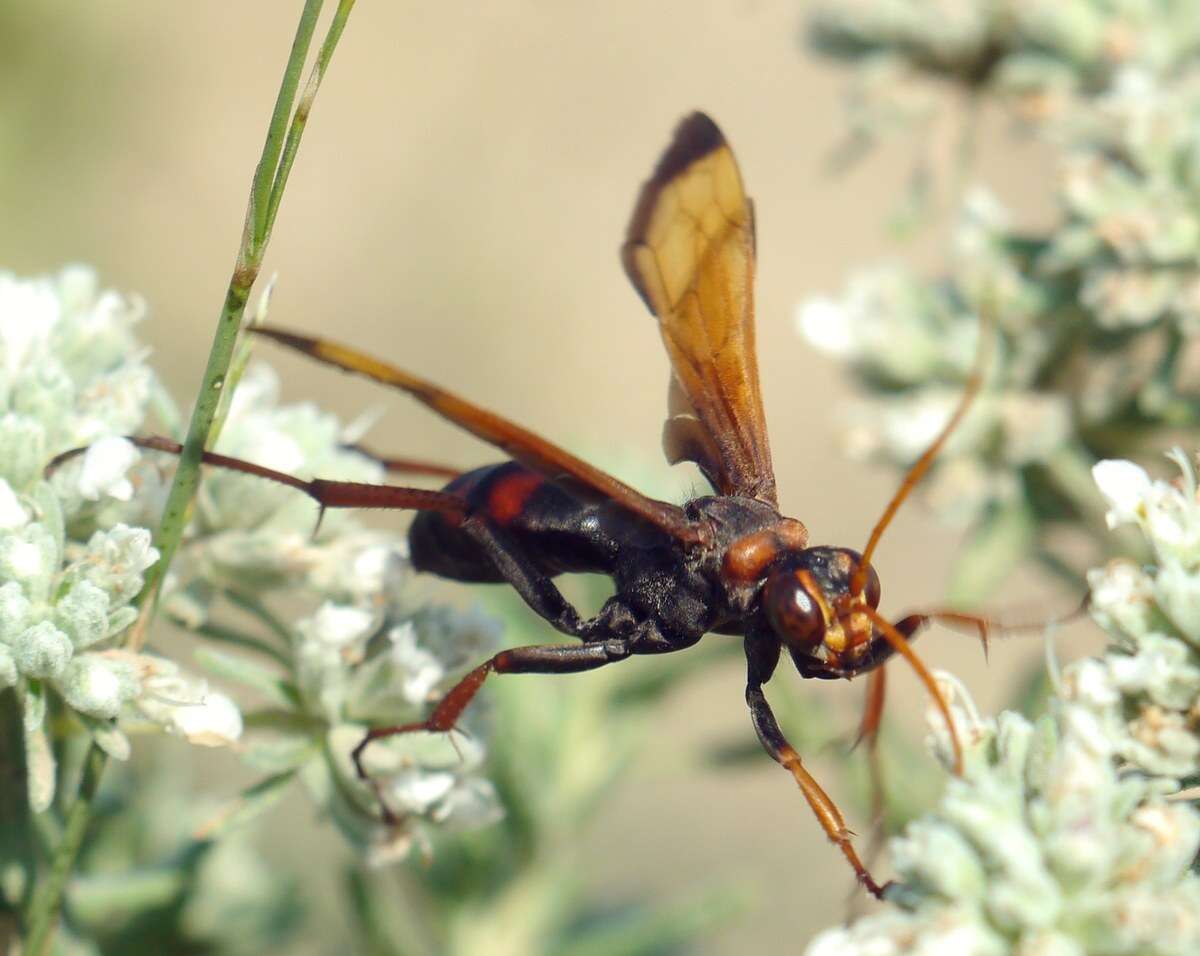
{"x":58,"y":604}
{"x":363,"y":664}
{"x":72,"y":561}
{"x":1040,"y":54}
{"x":251,"y":537}
{"x":1042,"y":847}
{"x":426,"y":776}
{"x":1093,"y":320}
{"x":1129,"y":186}
{"x":73,"y":375}
{"x":913,"y":343}
{"x":361,"y":659}
{"x":1148,"y":686}
{"x":1060,"y":837}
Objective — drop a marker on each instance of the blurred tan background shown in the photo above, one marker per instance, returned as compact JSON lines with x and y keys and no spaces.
{"x":457,"y":207}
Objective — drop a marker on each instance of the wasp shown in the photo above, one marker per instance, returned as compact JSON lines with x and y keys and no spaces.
{"x":728,"y":563}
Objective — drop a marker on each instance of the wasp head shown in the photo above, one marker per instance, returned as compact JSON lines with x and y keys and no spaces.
{"x":809,"y":602}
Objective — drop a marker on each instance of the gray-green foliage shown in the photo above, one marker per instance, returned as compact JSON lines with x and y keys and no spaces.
{"x":314,"y":636}
{"x":1040,"y":56}
{"x":1065,"y":834}
{"x":1094,"y":317}
{"x":520,"y":887}
{"x":1044,"y":845}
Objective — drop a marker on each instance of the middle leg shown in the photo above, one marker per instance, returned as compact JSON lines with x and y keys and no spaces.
{"x":868,"y":731}
{"x":536,"y":588}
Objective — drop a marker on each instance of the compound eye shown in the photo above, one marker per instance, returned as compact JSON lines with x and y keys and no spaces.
{"x":871,"y":587}
{"x":794,"y":613}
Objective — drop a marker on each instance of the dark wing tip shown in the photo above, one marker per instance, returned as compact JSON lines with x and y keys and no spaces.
{"x":695,"y":137}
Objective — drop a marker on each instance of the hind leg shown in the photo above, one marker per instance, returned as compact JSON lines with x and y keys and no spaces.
{"x":534,"y":659}
{"x":538,"y":591}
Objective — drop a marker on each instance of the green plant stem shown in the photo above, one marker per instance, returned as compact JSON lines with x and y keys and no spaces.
{"x":245,"y":272}
{"x":1061,"y":568}
{"x":264,"y":172}
{"x":265,"y":194}
{"x":303,"y":109}
{"x":43,"y":911}
{"x":187,"y":476}
{"x":229,"y":635}
{"x":255,"y":608}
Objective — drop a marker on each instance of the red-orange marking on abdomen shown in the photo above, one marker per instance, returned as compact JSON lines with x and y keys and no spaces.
{"x":508,"y":496}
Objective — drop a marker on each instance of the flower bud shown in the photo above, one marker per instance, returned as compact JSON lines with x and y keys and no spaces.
{"x":22,"y":449}
{"x":12,"y":512}
{"x":115,"y":560}
{"x":90,"y":685}
{"x":104,"y":467}
{"x":15,"y":612}
{"x":31,"y":557}
{"x":42,"y":651}
{"x":83,"y":614}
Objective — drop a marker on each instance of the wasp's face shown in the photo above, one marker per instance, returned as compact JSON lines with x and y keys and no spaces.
{"x":807,"y":601}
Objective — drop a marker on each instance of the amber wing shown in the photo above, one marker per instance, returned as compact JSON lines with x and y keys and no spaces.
{"x":689,"y":252}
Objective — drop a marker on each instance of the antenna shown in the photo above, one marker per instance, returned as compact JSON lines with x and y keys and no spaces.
{"x":917,"y":471}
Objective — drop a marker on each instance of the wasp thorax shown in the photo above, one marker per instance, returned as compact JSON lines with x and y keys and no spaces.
{"x":808,"y":602}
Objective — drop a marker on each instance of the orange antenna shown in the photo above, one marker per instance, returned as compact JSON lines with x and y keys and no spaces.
{"x":917,"y":471}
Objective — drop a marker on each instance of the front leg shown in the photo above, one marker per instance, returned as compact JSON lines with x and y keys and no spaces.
{"x":761,"y":661}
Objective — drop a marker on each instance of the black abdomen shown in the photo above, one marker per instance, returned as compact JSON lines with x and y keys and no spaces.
{"x":554,"y":530}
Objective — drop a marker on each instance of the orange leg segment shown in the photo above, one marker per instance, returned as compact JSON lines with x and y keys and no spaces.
{"x":824,"y":809}
{"x":872,"y":717}
{"x":868,"y":730}
{"x":533,"y":659}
